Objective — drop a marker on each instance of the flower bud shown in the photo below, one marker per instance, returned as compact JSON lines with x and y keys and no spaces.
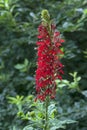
{"x":45,"y":15}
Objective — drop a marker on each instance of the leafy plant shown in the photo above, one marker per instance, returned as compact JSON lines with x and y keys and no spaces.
{"x":59,"y":114}
{"x":36,"y":113}
{"x":70,"y":85}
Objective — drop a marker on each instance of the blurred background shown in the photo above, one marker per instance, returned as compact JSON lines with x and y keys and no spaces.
{"x":19,"y":20}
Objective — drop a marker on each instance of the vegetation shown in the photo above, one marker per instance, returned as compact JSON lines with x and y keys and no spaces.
{"x":18,"y":24}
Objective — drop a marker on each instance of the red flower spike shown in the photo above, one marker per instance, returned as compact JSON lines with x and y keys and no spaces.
{"x":49,"y":67}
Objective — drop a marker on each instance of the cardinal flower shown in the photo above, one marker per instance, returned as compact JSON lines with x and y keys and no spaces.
{"x":49,"y":67}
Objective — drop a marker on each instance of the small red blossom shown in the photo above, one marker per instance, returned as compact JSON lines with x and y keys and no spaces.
{"x":49,"y":67}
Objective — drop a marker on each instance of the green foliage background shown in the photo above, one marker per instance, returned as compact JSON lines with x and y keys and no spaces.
{"x":19,"y":20}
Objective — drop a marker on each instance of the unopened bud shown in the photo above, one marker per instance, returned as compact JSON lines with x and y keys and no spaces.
{"x":45,"y":15}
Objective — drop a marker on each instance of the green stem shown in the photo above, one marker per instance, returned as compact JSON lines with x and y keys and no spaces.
{"x":46,"y":114}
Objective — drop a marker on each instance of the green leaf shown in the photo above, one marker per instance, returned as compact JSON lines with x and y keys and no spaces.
{"x":22,"y":67}
{"x":51,"y":110}
{"x":19,"y":66}
{"x":1,"y":5}
{"x":85,"y":11}
{"x":84,"y":93}
{"x":78,"y":78}
{"x":28,"y":128}
{"x":15,"y":100}
{"x":33,"y":15}
{"x":61,"y":124}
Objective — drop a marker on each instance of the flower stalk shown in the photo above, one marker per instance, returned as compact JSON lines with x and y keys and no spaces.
{"x":46,"y":127}
{"x":49,"y":67}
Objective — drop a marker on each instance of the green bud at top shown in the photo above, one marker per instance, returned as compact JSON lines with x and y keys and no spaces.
{"x":45,"y":15}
